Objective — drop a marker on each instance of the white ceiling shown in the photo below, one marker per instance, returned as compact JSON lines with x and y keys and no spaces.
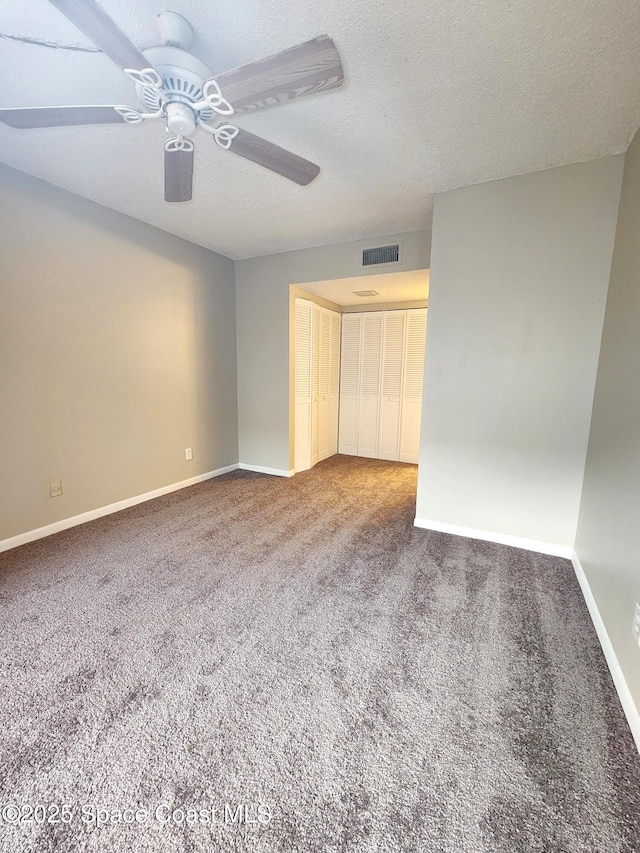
{"x":391,"y":287}
{"x":438,"y":94}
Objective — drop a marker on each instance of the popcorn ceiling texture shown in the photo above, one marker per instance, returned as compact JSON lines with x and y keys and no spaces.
{"x":439,"y":94}
{"x":286,"y":642}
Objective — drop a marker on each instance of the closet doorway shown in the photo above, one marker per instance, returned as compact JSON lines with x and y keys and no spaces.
{"x":357,"y":368}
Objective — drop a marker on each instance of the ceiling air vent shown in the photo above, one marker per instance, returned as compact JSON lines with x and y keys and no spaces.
{"x":381,"y":255}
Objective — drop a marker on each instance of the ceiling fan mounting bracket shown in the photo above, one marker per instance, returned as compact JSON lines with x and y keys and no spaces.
{"x":174,"y":30}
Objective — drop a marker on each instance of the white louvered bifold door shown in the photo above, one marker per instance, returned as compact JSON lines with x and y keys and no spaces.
{"x":349,"y":384}
{"x":324,"y":372}
{"x":334,"y":380}
{"x":302,"y":428}
{"x":412,"y":385}
{"x":371,"y":350}
{"x":391,"y":389}
{"x":315,"y":381}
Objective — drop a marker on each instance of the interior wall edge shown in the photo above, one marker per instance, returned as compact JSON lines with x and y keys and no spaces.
{"x":109,"y":509}
{"x":300,"y":293}
{"x":261,"y":469}
{"x":551,"y":548}
{"x":631,"y":711}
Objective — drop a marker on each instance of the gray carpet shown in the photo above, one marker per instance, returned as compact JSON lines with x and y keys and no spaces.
{"x":297,"y":649}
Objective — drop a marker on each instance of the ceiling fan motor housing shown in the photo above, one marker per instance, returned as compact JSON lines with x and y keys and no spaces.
{"x":184,"y":76}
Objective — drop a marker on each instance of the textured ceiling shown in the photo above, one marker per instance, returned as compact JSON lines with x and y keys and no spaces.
{"x":438,"y":94}
{"x":391,"y":287}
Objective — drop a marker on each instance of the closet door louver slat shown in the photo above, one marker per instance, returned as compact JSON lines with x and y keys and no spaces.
{"x":371,"y":350}
{"x":303,"y":349}
{"x":413,"y":385}
{"x":350,"y":362}
{"x":334,"y":381}
{"x":303,"y":384}
{"x":371,"y":340}
{"x":393,"y":353}
{"x":416,"y":337}
{"x":392,"y":370}
{"x":324,"y":384}
{"x":315,"y":359}
{"x":324,"y":353}
{"x":349,"y":384}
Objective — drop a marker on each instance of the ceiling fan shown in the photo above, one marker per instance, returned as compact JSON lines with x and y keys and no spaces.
{"x":174,"y":86}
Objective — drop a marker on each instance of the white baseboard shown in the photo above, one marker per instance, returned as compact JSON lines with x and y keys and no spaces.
{"x":91,"y":515}
{"x":554,"y":550}
{"x":259,"y":469}
{"x":624,"y":694}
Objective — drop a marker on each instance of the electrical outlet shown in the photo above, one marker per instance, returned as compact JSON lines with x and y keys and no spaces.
{"x":188,"y":454}
{"x":55,"y":488}
{"x":635,"y":629}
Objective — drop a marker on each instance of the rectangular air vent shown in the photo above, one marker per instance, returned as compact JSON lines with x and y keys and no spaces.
{"x":381,"y":255}
{"x":366,"y":293}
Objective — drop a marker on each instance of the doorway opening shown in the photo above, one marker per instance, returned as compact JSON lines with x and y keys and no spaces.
{"x":357,"y":367}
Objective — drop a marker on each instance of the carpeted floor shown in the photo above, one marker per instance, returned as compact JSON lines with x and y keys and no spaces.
{"x":260,"y":664}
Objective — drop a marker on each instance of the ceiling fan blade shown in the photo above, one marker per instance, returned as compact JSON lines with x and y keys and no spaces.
{"x":178,"y":174}
{"x":94,"y":22}
{"x":302,"y":70}
{"x":26,"y":117}
{"x":275,"y":158}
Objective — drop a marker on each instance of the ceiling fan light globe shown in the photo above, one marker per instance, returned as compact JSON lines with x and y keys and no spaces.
{"x":180,"y":119}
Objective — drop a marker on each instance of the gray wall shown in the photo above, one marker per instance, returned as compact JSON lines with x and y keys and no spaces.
{"x":263,"y":304}
{"x":608,"y":539}
{"x":117,"y":351}
{"x":519,"y":276}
